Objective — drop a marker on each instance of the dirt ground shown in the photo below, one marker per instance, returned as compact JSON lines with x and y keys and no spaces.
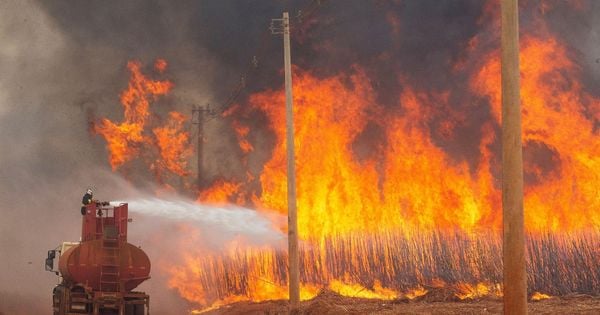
{"x":332,"y":303}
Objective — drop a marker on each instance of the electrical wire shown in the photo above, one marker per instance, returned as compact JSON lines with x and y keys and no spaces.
{"x":302,"y":16}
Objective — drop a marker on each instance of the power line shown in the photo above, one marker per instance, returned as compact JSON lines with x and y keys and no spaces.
{"x":302,"y":16}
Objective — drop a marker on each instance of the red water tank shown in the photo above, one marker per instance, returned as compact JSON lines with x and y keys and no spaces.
{"x":104,"y":260}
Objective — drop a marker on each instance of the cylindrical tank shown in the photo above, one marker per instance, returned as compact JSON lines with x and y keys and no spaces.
{"x":86,"y":263}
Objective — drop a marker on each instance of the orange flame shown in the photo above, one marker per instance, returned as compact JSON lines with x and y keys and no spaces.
{"x":173,"y":146}
{"x":242,"y":132}
{"x":416,"y":185}
{"x":128,"y":139}
{"x":349,"y":195}
{"x":537,"y":296}
{"x":416,"y":292}
{"x":124,"y":139}
{"x":468,"y":291}
{"x":564,"y":198}
{"x":220,"y":192}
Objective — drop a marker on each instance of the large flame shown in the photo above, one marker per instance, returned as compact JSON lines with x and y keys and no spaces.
{"x":402,"y":216}
{"x":173,"y":144}
{"x":411,"y":186}
{"x":558,"y":117}
{"x":417,"y":181}
{"x":166,"y":147}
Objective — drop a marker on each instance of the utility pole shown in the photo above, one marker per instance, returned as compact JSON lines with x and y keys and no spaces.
{"x":293,"y":272}
{"x":515,"y":274}
{"x":200,"y":112}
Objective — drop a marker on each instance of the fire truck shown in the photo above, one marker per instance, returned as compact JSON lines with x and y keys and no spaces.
{"x":97,"y":275}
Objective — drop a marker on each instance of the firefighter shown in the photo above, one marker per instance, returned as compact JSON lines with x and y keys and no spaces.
{"x":87,"y":199}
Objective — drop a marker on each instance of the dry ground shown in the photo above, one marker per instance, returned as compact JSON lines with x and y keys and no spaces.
{"x":331,"y":303}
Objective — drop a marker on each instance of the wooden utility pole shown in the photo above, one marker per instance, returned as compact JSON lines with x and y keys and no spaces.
{"x":515,"y":275}
{"x":198,"y":116}
{"x":293,"y":272}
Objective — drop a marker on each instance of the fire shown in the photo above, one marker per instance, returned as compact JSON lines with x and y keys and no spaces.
{"x":165,"y":147}
{"x":220,"y":192}
{"x":396,"y":262}
{"x":416,"y":292}
{"x":421,"y":181}
{"x":123,"y":139}
{"x":409,"y":187}
{"x":357,"y":290}
{"x":537,"y":296}
{"x":329,"y":117}
{"x":401,"y":215}
{"x":173,"y":145}
{"x":242,"y":133}
{"x":564,"y":196}
{"x":339,"y":194}
{"x":160,"y":65}
{"x":468,"y":291}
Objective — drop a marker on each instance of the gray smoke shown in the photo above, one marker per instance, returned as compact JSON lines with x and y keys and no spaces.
{"x":51,"y":82}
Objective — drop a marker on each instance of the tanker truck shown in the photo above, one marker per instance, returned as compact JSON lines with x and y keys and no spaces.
{"x":97,"y":275}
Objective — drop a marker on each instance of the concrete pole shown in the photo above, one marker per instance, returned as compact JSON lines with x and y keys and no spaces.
{"x":294,"y":274}
{"x":515,"y":275}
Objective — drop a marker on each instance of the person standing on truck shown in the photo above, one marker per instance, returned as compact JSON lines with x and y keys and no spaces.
{"x":87,"y":199}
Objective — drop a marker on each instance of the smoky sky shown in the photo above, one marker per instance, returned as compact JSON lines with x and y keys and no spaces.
{"x":63,"y":64}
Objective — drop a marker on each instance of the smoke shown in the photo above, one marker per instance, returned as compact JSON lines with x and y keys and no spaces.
{"x":51,"y":82}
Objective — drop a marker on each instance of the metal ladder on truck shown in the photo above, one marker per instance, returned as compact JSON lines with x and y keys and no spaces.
{"x":109,"y":272}
{"x":110,"y":267}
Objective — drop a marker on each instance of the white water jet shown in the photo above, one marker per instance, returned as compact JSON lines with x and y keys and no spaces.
{"x":230,"y":219}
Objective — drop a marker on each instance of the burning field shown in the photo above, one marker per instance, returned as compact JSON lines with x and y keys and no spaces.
{"x":386,"y":209}
{"x":397,"y":110}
